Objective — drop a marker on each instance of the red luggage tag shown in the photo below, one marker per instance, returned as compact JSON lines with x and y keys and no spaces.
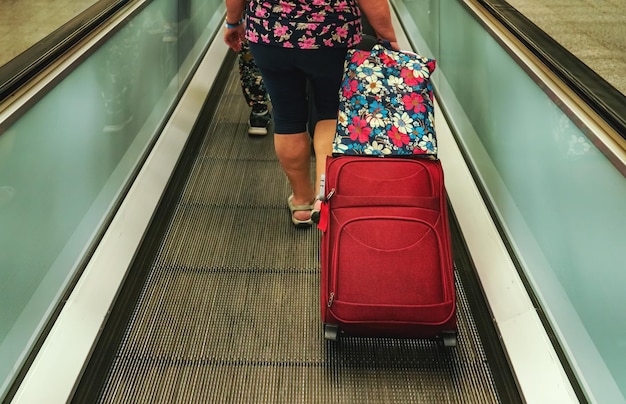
{"x":325,"y":212}
{"x":323,"y":223}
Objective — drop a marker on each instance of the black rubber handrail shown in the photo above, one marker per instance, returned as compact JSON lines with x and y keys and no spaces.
{"x":608,"y":102}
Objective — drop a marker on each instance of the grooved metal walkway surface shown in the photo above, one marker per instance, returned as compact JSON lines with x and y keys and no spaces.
{"x":230,"y":310}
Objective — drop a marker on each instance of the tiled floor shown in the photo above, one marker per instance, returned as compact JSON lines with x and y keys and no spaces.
{"x":593,"y":30}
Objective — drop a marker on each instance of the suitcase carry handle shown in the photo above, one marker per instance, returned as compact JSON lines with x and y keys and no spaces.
{"x":416,"y":167}
{"x":426,"y":202}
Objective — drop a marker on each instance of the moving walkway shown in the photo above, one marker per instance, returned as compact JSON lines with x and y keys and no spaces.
{"x":200,"y":290}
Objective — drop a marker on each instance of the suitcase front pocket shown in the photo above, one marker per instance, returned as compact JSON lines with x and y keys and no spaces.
{"x":387,"y":261}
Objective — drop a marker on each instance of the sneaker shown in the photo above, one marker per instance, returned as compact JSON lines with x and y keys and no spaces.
{"x":258,"y":123}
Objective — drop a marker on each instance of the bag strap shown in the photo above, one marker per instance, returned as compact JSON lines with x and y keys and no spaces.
{"x":369,"y":41}
{"x":385,"y":43}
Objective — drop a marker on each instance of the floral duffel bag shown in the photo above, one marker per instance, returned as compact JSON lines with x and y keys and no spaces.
{"x":386,"y":105}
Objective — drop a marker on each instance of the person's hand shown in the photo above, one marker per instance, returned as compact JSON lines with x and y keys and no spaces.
{"x":235,"y":36}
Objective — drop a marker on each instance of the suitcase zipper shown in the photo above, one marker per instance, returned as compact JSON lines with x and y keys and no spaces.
{"x":330,"y":299}
{"x":330,"y":195}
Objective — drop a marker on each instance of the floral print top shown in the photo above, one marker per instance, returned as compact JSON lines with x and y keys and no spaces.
{"x":304,"y":24}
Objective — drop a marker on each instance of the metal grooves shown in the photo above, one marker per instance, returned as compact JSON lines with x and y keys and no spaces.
{"x":230,"y":309}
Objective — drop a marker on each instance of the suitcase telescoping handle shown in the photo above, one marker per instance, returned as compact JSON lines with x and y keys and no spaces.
{"x":322,"y":196}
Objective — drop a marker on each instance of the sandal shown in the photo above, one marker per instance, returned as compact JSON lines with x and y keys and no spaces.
{"x":300,"y":224}
{"x":315,"y":212}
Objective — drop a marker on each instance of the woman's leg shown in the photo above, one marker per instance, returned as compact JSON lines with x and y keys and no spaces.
{"x":294,"y":155}
{"x":251,"y":80}
{"x":286,"y":86}
{"x":325,"y":74}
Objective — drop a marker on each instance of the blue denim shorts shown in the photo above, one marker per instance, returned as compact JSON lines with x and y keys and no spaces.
{"x":295,"y":77}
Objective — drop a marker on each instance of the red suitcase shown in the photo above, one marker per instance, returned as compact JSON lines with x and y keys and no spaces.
{"x":386,"y":262}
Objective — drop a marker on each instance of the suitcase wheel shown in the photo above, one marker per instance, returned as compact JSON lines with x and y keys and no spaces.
{"x":449,"y":339}
{"x":331,"y":332}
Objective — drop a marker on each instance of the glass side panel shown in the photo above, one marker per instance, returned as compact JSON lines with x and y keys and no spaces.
{"x":65,"y":164}
{"x":559,"y":199}
{"x":425,"y":23}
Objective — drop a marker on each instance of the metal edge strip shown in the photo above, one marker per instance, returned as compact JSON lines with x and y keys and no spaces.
{"x":534,"y":362}
{"x":62,"y":357}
